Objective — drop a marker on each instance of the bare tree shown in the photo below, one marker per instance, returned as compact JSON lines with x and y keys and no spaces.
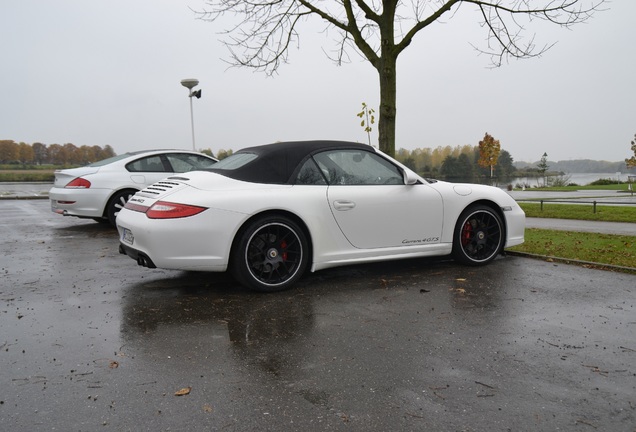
{"x":380,"y":30}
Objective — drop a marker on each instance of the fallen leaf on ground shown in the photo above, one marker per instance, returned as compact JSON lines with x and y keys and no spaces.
{"x":184,"y":391}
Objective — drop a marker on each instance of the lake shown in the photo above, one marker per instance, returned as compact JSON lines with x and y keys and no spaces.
{"x":580,"y":179}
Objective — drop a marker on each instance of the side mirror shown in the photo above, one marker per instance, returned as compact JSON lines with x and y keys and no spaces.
{"x":410,"y":178}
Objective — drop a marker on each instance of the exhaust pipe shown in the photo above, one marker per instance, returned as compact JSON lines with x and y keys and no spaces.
{"x":145,"y":261}
{"x":142,"y":259}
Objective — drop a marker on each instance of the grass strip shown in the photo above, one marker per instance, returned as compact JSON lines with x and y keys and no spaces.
{"x":612,"y":187}
{"x":608,"y":249}
{"x":27,"y":176}
{"x":580,"y":212}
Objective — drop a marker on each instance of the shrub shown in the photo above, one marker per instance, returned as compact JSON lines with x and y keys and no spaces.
{"x":606,"y":182}
{"x":558,"y":181}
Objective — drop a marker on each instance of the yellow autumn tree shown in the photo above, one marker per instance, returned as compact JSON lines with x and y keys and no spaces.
{"x":631,"y":162}
{"x":489,"y":149}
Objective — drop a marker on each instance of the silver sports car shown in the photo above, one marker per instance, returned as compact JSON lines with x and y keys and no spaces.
{"x":99,"y":190}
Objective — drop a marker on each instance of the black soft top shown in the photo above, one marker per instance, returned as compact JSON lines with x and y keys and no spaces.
{"x":276,"y":163}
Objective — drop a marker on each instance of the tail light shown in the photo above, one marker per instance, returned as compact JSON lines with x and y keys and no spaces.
{"x":78,"y":183}
{"x":136,"y":207}
{"x":168,"y":210}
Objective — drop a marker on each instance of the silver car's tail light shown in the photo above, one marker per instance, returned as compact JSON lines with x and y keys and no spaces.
{"x":78,"y":183}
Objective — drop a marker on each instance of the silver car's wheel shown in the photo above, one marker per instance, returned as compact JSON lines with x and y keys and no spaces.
{"x":116,"y":203}
{"x":271,"y":254}
{"x":478,"y":236}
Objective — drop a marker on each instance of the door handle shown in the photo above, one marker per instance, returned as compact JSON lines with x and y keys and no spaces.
{"x":344,"y":205}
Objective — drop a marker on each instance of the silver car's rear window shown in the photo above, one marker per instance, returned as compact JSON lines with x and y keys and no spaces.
{"x":109,"y":160}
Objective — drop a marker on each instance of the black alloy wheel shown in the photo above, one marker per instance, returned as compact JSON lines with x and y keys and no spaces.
{"x":478,"y":236}
{"x":271,"y":254}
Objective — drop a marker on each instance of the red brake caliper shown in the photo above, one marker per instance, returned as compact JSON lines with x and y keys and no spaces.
{"x":283,"y":247}
{"x":467,"y":233}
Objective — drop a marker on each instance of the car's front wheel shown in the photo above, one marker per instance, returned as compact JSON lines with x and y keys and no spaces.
{"x":478,"y":236}
{"x":116,"y":203}
{"x":271,"y":254}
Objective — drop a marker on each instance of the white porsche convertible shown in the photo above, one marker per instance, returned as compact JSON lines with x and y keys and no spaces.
{"x":269,"y":213}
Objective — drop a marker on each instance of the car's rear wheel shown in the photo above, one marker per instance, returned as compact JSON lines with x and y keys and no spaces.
{"x":271,"y":254}
{"x":116,"y":203}
{"x":478,"y":236}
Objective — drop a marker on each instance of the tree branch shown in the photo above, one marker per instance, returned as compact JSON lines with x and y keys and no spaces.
{"x":406,"y":41}
{"x":266,"y":29}
{"x":505,"y":32}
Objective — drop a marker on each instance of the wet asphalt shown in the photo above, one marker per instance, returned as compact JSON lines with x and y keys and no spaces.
{"x":90,"y":341}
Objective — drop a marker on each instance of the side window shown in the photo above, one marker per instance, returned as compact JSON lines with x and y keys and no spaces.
{"x":357,"y":167}
{"x":184,"y":162}
{"x":147,"y":164}
{"x":309,"y":174}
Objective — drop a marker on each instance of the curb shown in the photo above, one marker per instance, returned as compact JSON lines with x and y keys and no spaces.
{"x":20,"y":197}
{"x":586,"y":264}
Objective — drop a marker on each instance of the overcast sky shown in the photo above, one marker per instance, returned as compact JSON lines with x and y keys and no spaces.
{"x":108,"y":72}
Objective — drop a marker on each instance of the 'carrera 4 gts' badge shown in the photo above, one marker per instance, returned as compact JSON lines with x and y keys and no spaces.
{"x":422,"y":241}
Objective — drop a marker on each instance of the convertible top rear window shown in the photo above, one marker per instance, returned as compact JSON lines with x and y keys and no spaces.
{"x":235,"y":161}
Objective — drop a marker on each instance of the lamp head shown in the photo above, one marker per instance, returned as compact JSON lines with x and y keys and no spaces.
{"x":189,"y":82}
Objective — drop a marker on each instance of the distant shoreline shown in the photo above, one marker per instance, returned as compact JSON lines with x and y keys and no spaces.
{"x":580,"y":179}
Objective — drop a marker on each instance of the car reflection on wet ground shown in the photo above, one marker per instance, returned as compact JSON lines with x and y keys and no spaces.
{"x":91,"y":341}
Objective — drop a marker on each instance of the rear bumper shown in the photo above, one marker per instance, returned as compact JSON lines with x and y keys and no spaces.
{"x":79,"y":202}
{"x":196,"y":243}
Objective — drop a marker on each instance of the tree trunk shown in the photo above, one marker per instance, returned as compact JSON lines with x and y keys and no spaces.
{"x":386,"y":123}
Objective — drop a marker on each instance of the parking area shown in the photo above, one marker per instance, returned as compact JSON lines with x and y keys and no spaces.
{"x":91,"y":341}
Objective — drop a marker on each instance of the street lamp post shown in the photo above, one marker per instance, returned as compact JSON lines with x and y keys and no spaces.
{"x":190,"y":83}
